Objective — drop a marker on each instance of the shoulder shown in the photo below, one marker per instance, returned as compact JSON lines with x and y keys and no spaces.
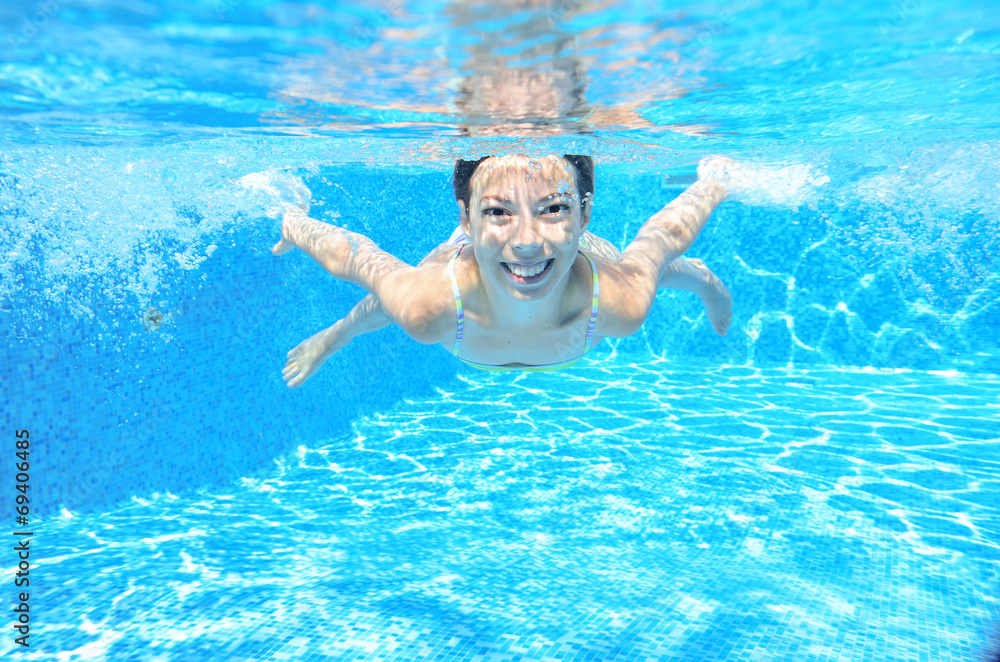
{"x":626,"y":297}
{"x":421,"y":302}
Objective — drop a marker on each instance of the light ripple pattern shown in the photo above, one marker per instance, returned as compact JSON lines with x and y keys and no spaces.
{"x":657,"y":514}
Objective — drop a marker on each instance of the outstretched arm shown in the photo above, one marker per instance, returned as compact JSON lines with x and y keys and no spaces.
{"x":665,"y":237}
{"x":670,"y":232}
{"x":306,"y":358}
{"x":408,"y":296}
{"x":344,"y":254}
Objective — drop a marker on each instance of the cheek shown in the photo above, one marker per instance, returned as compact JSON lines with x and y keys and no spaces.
{"x":565,"y":231}
{"x":490,"y":234}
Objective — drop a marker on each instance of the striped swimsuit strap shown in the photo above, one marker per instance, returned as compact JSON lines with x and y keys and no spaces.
{"x":458,"y":299}
{"x":461,"y":313}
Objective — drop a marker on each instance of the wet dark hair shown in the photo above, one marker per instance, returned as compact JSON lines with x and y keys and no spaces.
{"x":464,"y":170}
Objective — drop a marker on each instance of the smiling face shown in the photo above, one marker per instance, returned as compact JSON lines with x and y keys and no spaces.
{"x":525,"y":221}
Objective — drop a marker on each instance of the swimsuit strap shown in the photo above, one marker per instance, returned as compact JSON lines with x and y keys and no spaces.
{"x":458,"y":300}
{"x":593,"y":307}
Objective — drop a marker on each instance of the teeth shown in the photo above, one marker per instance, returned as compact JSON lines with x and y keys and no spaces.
{"x":527,"y":272}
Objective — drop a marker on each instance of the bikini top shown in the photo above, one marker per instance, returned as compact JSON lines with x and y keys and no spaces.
{"x":528,"y":368}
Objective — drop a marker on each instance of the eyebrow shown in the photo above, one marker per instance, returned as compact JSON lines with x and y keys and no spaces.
{"x":548,"y":198}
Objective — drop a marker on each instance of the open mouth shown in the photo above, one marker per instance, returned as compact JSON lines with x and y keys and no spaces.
{"x":526,"y":275}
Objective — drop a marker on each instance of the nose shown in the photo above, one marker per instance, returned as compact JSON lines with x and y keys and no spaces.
{"x":527,"y":235}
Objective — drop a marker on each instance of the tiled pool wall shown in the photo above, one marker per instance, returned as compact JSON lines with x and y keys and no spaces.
{"x":807,"y":289}
{"x":118,"y":406}
{"x":186,"y":391}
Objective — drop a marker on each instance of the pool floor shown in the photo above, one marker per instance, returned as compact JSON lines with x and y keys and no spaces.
{"x":655,"y":514}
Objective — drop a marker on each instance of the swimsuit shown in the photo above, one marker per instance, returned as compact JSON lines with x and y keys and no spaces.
{"x":459,"y":239}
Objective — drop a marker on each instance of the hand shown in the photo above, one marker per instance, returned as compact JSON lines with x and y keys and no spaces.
{"x":777,"y":185}
{"x":715,"y":167}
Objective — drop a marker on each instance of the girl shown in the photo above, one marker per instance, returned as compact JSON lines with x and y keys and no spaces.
{"x":521,"y":284}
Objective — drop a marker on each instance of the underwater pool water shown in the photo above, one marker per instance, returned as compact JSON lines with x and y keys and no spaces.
{"x":821,"y":484}
{"x":619,"y":512}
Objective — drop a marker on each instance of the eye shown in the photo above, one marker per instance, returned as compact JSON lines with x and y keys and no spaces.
{"x":556,"y":209}
{"x":495,"y":211}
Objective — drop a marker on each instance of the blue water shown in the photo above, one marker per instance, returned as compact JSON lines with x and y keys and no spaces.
{"x":618,"y":512}
{"x":821,"y":484}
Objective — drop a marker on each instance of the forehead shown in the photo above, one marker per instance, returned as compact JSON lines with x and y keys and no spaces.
{"x":551,"y":172}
